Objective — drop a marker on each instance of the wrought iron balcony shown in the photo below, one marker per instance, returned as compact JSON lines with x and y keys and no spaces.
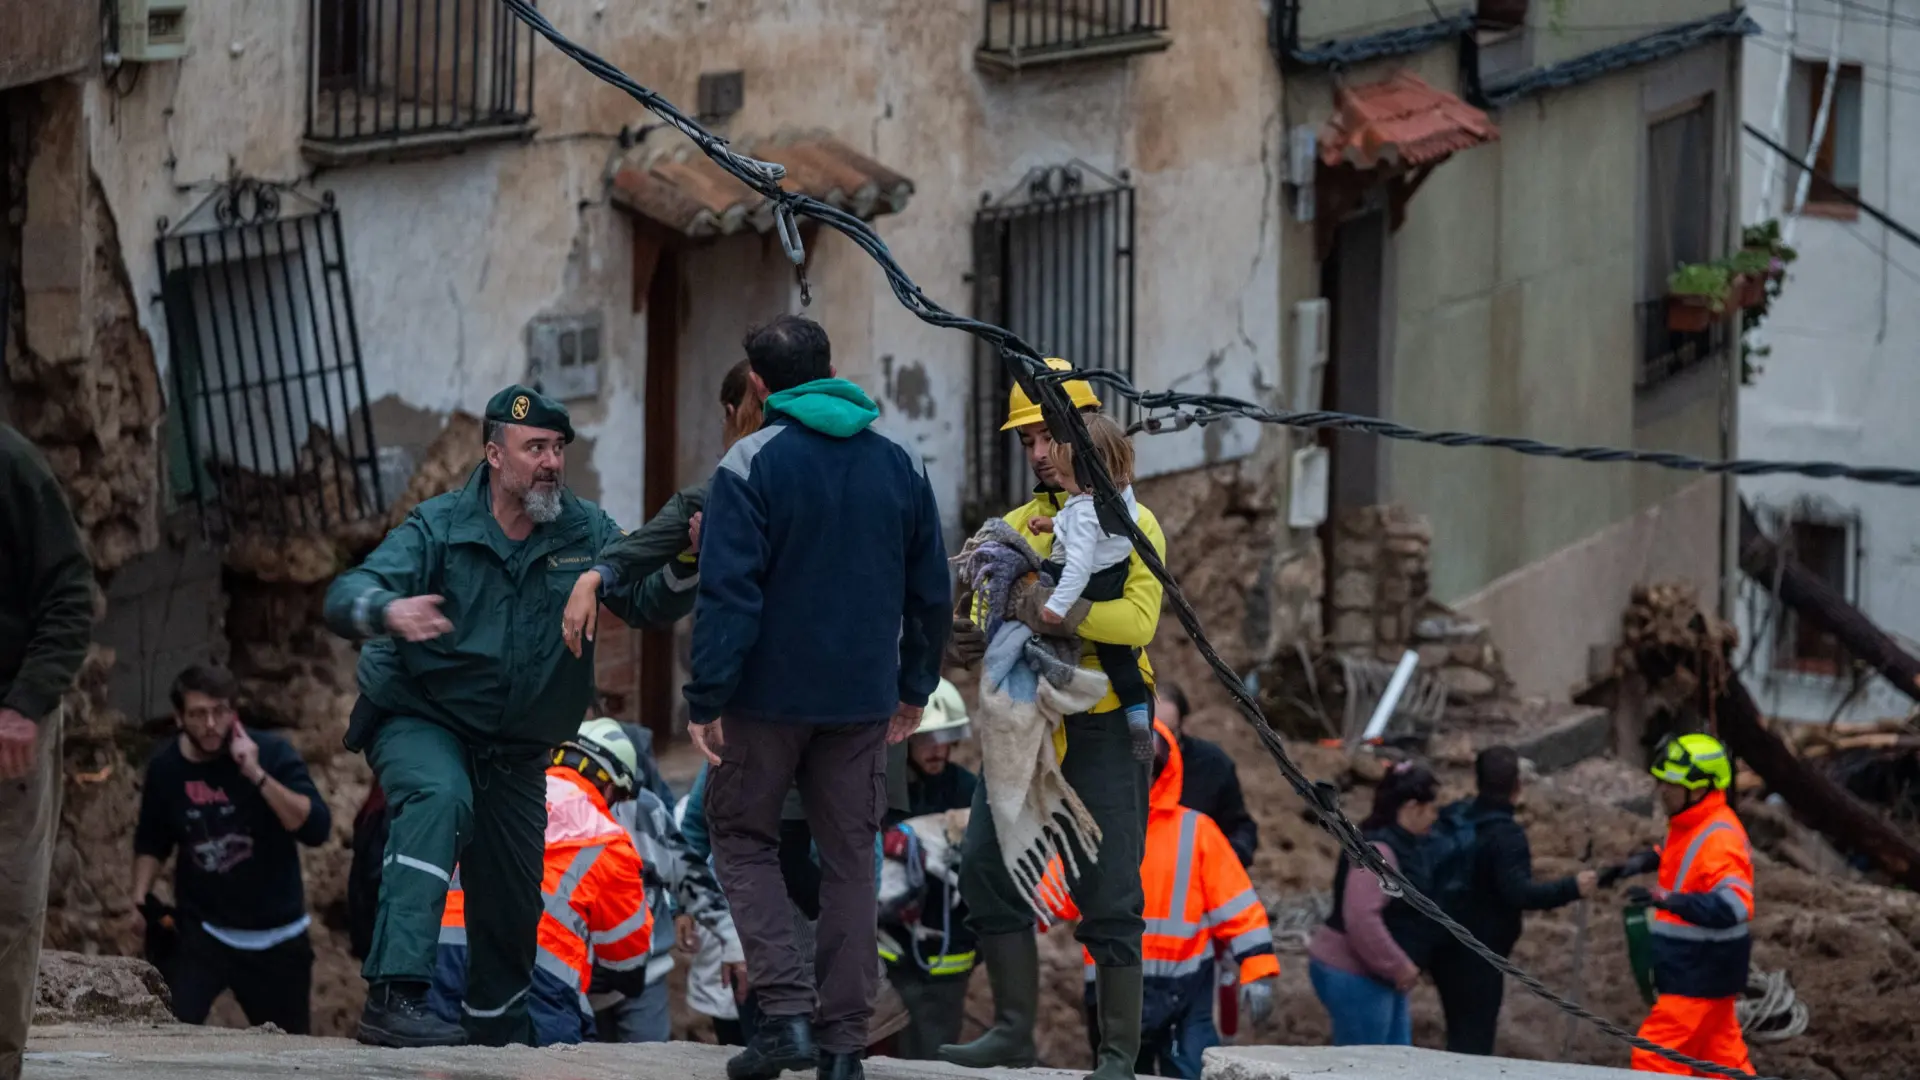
{"x":1665,"y":352}
{"x":1022,"y":34}
{"x":393,"y":77}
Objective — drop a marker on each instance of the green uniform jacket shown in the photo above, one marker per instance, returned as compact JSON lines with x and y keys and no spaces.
{"x":46,"y":583}
{"x":503,"y":675}
{"x":659,"y":548}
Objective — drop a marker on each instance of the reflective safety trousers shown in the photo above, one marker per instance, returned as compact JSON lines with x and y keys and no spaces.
{"x":1704,"y":1028}
{"x":1198,"y":896}
{"x":596,"y":917}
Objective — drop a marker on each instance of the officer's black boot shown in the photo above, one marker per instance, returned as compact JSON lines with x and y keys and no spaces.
{"x":781,"y":1043}
{"x":397,"y":1015}
{"x":841,"y":1067}
{"x":1013,"y":969}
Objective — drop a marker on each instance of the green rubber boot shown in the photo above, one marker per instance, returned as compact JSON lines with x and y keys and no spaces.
{"x":1013,"y":970}
{"x":1117,"y":993}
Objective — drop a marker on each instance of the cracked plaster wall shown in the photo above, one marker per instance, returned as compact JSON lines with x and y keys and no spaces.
{"x":451,"y":257}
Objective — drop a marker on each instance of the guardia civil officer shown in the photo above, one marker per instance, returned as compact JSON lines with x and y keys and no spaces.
{"x":466,"y":687}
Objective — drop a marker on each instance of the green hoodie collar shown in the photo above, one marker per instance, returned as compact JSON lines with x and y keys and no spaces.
{"x":833,"y":407}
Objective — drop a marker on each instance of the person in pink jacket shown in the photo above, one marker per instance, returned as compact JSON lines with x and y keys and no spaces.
{"x":1366,"y":958}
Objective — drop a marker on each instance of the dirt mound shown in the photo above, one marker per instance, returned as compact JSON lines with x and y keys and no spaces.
{"x":92,"y":989}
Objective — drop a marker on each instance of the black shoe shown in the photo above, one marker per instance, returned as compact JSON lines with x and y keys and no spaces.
{"x":841,"y":1067}
{"x":397,"y":1015}
{"x":780,"y":1044}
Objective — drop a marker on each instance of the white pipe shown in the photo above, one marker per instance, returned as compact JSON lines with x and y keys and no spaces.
{"x":1777,"y":128}
{"x":1396,"y":686}
{"x":1819,"y":129}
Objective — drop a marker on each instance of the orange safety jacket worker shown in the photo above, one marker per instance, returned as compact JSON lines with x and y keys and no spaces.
{"x":1702,"y":945}
{"x":1198,"y":897}
{"x":596,"y":932}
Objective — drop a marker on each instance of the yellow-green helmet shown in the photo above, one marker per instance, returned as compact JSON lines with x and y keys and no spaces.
{"x":1692,"y":761}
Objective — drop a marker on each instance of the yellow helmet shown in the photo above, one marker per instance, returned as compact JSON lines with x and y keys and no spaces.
{"x":1693,"y":762}
{"x":1021,"y":410}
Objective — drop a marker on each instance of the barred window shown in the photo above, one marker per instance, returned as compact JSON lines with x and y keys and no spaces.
{"x":268,"y":429}
{"x":1026,"y":33}
{"x":1053,"y":262}
{"x":389,"y":74}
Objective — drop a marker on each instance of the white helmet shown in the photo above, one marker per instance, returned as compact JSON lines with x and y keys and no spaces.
{"x":946,"y":714}
{"x":601,"y":752}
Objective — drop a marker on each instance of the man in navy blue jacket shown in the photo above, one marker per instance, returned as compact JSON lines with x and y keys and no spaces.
{"x":823,"y":609}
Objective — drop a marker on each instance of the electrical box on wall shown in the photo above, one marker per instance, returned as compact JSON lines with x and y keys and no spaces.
{"x":565,"y":355}
{"x":153,"y":30}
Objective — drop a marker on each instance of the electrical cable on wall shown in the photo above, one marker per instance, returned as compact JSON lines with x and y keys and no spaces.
{"x":1045,"y":387}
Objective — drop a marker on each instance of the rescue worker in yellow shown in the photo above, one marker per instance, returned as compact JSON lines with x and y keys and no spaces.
{"x":596,"y":934}
{"x":1100,"y":765}
{"x":1703,"y":909}
{"x":466,"y":686}
{"x":1198,"y":898}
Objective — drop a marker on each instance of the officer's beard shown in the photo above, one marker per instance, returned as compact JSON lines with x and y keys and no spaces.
{"x":540,"y":495}
{"x":542,"y":502}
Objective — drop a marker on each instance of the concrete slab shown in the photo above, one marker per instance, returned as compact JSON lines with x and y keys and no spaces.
{"x":178,"y":1052}
{"x":1385,"y":1063}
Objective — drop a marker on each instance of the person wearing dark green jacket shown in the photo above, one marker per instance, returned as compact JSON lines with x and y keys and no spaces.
{"x":466,"y":686}
{"x":46,"y":617}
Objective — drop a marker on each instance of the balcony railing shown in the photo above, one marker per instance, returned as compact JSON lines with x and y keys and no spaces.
{"x":1665,"y":353}
{"x":1029,"y":33}
{"x":386,"y":76}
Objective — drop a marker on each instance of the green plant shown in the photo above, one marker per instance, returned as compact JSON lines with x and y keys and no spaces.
{"x":1709,"y":281}
{"x":1762,"y":239}
{"x":1752,"y":262}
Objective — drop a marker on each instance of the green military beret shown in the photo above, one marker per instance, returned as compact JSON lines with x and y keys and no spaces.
{"x":522,"y":405}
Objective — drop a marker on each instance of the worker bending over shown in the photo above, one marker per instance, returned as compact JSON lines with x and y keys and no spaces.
{"x":1703,"y":910}
{"x":596,"y":933}
{"x":1198,"y":895}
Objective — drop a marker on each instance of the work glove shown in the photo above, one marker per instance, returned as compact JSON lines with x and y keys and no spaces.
{"x":966,"y":643}
{"x":1641,"y":896}
{"x":1640,"y":862}
{"x":1256,"y":1000}
{"x":1029,"y":602}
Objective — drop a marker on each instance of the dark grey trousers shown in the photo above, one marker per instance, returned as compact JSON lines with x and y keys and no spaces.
{"x":841,"y":772}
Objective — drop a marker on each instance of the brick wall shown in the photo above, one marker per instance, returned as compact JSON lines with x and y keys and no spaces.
{"x":616,"y":667}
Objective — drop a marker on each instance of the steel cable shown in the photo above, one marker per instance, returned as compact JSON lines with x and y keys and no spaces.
{"x":1044,"y":386}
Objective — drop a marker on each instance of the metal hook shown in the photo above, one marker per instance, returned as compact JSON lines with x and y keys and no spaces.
{"x":789,"y":229}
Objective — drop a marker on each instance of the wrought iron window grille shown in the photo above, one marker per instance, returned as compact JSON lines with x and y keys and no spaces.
{"x":388,"y":75}
{"x":1053,"y":261}
{"x":1030,"y":33}
{"x":268,"y":430}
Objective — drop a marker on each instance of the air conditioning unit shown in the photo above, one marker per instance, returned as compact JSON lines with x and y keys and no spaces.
{"x":152,"y":30}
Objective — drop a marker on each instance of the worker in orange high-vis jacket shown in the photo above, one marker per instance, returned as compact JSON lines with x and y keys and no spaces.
{"x":597,"y":930}
{"x":1199,"y":901}
{"x":1703,"y":908}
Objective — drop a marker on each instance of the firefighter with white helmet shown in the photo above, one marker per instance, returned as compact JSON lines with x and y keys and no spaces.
{"x":924,"y":939}
{"x":596,"y":931}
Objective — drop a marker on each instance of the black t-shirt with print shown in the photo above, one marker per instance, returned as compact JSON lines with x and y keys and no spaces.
{"x":239,"y":868}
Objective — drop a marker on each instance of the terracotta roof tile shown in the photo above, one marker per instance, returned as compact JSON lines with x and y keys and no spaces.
{"x":688,"y":193}
{"x":1402,"y":121}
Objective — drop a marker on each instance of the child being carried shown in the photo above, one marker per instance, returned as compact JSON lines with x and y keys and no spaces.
{"x":1090,"y":561}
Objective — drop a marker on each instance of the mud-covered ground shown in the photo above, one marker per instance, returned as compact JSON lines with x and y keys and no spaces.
{"x":1851,"y":950}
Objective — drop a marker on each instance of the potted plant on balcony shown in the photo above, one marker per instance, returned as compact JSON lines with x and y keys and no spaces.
{"x":1750,"y":267}
{"x":1696,"y":295}
{"x":1763,"y":238}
